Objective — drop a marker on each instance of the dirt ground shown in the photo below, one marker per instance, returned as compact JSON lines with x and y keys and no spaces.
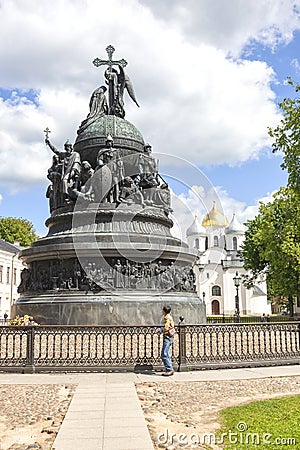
{"x":32,"y":414}
{"x":191,"y":408}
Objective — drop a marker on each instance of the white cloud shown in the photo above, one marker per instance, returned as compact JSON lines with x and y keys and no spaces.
{"x":195,"y":101}
{"x":231,"y":25}
{"x":199,"y":201}
{"x":295,"y":64}
{"x":24,"y":158}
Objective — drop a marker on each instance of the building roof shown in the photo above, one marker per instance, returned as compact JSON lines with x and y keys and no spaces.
{"x":196,"y":228}
{"x":9,"y":248}
{"x":235,"y":226}
{"x":215,"y":218}
{"x":257,"y":292}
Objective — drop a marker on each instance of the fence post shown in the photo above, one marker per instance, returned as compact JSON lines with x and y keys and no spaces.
{"x":29,"y":366}
{"x":182,"y":366}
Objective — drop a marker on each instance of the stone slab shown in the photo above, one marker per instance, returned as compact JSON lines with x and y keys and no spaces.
{"x":107,"y":309}
{"x":77,"y":444}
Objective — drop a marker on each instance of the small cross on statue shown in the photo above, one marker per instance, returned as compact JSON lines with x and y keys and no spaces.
{"x":109,"y":62}
{"x":47,"y":131}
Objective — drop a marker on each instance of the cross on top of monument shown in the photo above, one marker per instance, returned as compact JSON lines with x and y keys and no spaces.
{"x":117,"y":82}
{"x":109,"y":62}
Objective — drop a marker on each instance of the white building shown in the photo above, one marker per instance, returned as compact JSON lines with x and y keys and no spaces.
{"x":10,"y":275}
{"x":218,"y":243}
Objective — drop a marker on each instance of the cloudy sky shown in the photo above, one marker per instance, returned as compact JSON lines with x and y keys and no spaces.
{"x":208,"y":76}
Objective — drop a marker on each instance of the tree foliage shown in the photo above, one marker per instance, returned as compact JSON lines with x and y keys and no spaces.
{"x":287,"y":137}
{"x":272,"y":240}
{"x":14,"y":229}
{"x":271,"y":248}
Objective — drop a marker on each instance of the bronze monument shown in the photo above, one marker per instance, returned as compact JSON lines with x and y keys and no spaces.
{"x":109,"y":256}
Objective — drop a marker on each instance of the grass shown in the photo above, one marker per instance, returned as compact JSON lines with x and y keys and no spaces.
{"x":273,"y":423}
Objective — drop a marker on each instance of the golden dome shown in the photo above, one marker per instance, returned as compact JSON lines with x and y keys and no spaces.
{"x":215,"y":218}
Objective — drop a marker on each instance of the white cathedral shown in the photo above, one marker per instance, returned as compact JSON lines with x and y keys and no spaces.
{"x":219,"y":268}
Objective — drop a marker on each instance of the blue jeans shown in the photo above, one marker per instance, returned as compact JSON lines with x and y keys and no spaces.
{"x":165,"y":353}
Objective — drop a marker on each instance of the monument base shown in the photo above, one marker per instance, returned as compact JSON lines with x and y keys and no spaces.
{"x":136,"y":308}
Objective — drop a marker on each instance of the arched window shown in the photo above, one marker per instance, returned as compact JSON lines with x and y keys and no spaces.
{"x":216,"y":290}
{"x":197,"y":243}
{"x":216,"y":241}
{"x":234,"y":243}
{"x":215,"y":308}
{"x":206,"y":243}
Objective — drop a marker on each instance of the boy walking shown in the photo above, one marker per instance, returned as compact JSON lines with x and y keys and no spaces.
{"x":168,"y":332}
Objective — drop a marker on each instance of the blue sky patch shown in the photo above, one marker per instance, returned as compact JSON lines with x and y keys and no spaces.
{"x":20,"y":95}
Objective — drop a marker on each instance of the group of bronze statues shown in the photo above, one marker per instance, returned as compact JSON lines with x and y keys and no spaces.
{"x":107,"y":182}
{"x":115,"y":274}
{"x":117,"y":176}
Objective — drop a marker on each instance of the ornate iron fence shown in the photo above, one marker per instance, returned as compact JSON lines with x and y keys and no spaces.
{"x":107,"y":348}
{"x":240,"y":344}
{"x":250,"y":319}
{"x":4,"y":321}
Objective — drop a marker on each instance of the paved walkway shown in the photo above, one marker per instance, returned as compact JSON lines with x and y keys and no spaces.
{"x":105,"y":413}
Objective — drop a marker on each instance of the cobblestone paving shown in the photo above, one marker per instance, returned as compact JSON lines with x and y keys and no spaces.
{"x":192,"y":408}
{"x":32,"y":414}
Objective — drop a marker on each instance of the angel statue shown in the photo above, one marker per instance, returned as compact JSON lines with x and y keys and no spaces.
{"x":118,"y":82}
{"x":98,"y":108}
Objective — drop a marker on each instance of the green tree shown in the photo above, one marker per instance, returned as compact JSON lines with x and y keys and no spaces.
{"x":14,"y":229}
{"x":272,"y":240}
{"x":287,"y":137}
{"x":271,"y":248}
